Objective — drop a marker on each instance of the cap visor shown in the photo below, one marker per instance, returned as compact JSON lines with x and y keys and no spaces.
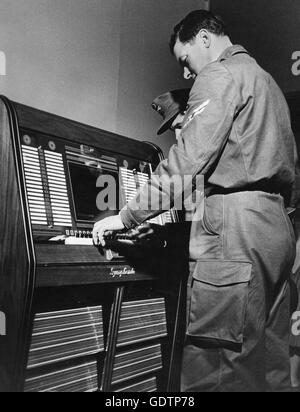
{"x":166,"y":124}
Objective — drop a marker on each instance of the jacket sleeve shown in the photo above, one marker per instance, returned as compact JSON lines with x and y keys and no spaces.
{"x":213,"y":104}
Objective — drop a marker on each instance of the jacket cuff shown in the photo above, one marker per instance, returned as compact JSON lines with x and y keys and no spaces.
{"x":128,"y":219}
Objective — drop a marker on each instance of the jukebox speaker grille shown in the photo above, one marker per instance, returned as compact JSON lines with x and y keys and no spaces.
{"x":149,"y":385}
{"x":133,"y":181}
{"x":58,"y":189}
{"x":34,"y":184}
{"x":80,"y":378}
{"x":46,"y":187}
{"x":128,"y":183}
{"x":133,"y":364}
{"x":142,"y":179}
{"x":141,"y":321}
{"x":66,"y":334}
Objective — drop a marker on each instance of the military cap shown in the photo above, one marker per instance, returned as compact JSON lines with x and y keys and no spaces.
{"x":169,"y":105}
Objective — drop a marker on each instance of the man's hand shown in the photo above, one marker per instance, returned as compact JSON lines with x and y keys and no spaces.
{"x":149,"y":235}
{"x":110,"y":224}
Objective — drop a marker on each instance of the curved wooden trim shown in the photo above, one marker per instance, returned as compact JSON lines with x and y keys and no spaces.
{"x":57,"y":126}
{"x":18,"y":373}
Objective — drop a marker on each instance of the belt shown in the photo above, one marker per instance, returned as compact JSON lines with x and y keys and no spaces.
{"x":214,"y":190}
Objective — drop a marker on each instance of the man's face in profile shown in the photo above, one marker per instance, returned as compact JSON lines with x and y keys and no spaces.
{"x":193,"y":56}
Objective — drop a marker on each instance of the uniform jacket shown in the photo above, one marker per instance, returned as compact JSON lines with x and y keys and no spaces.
{"x":236,"y":132}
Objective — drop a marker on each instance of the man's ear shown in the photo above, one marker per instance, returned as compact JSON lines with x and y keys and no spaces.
{"x":205,"y":37}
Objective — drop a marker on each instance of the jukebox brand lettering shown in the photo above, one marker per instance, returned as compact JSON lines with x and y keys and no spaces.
{"x":118,"y":273}
{"x":296,"y":65}
{"x":2,"y":324}
{"x":296,"y":324}
{"x":2,"y":64}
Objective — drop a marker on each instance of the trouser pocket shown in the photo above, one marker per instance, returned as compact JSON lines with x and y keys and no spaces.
{"x":219,"y":300}
{"x":212,"y":220}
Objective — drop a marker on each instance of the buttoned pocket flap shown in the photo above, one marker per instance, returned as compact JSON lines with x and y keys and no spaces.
{"x":219,"y":300}
{"x":223,"y":273}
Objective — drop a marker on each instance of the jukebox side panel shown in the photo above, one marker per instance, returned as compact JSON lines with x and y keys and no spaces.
{"x":16,"y":255}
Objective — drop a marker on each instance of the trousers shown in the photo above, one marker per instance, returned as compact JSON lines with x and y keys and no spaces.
{"x":242,"y":251}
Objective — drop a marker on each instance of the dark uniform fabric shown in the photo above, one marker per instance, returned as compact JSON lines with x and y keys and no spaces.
{"x":237,"y":133}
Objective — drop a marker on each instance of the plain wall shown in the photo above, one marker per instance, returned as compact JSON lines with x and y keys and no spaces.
{"x":100,"y":62}
{"x":270,"y":30}
{"x":147,"y":67}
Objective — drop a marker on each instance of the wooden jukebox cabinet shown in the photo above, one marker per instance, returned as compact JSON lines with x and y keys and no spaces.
{"x":78,"y":319}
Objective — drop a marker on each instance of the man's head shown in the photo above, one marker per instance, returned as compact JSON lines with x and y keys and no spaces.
{"x":172,"y":107}
{"x":198,"y":40}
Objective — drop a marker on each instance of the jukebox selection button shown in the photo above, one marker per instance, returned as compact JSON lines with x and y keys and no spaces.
{"x":52,"y":145}
{"x":27,"y":139}
{"x":80,"y":234}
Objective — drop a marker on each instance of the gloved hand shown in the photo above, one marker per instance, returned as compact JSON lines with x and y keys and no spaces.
{"x":149,"y":235}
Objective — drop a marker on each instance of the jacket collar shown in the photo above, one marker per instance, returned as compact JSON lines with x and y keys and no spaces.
{"x":232,"y":51}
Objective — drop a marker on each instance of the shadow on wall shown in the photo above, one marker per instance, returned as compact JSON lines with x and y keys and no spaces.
{"x":270,"y":31}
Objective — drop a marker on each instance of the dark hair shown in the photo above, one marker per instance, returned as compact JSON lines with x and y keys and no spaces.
{"x":195,"y":21}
